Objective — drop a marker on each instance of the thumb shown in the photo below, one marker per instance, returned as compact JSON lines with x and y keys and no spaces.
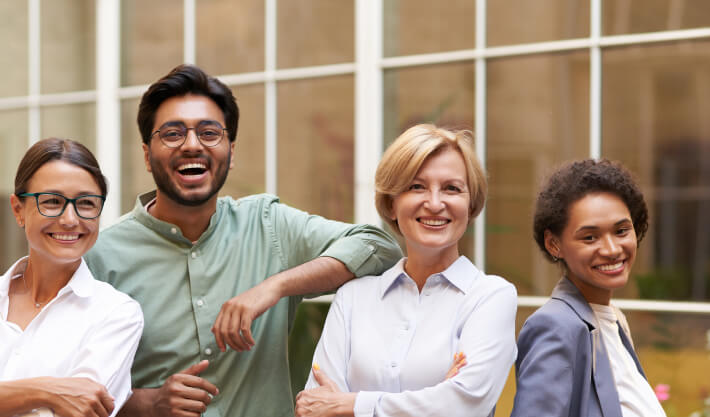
{"x":197,"y":368}
{"x":323,"y":380}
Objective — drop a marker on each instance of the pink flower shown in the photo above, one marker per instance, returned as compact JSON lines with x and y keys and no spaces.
{"x":662,"y":392}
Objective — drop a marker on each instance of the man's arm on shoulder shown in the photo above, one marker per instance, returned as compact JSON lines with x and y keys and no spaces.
{"x":319,"y":255}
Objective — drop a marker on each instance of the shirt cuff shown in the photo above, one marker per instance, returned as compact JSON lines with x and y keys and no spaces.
{"x":353,"y":252}
{"x":365,"y":403}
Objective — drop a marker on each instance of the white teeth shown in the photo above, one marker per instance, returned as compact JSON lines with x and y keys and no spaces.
{"x":611,"y":267}
{"x":192,"y":165}
{"x":432,"y":222}
{"x":65,"y":237}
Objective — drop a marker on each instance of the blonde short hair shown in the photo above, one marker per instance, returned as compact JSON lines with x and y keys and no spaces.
{"x":406,"y":155}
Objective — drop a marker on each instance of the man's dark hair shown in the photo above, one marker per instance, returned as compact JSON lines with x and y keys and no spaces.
{"x":573,"y":181}
{"x":183,"y":80}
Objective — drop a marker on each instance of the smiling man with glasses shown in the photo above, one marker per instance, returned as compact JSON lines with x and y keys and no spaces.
{"x":219,"y":280}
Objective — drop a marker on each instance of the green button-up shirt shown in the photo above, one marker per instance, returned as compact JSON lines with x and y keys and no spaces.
{"x":181,"y":287}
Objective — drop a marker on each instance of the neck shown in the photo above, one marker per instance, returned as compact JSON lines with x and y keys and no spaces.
{"x":43,"y":278}
{"x":590,"y":293}
{"x":420,"y":265}
{"x":192,"y":220}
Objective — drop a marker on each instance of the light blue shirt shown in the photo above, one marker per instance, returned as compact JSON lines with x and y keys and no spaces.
{"x":394,"y":345}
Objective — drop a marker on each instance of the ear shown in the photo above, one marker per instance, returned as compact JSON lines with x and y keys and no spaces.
{"x":231,"y":154}
{"x":146,"y":157}
{"x":17,"y":209}
{"x":552,"y":244}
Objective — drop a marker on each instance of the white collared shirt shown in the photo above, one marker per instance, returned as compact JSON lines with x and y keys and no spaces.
{"x":394,"y":345}
{"x":88,"y":330}
{"x":636,"y":397}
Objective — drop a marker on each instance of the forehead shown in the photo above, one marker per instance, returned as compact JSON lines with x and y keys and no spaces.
{"x":447,"y":161}
{"x":597,"y":210}
{"x":63,"y":177}
{"x":189,"y":109}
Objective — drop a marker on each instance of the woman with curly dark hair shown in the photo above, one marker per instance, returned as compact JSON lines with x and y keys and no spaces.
{"x":576,"y":357}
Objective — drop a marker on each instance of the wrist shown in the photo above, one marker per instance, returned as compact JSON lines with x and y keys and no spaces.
{"x":346,"y":404}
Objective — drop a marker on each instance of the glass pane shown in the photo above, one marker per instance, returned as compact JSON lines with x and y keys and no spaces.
{"x":135,"y":179}
{"x":68,"y":45}
{"x":421,"y":26}
{"x":524,"y":21}
{"x":439,"y":94}
{"x":626,"y":16}
{"x":316,"y":146}
{"x":13,"y":44}
{"x":656,"y":102}
{"x":248,"y":175}
{"x":230,"y":36}
{"x":538,"y":117}
{"x":315,"y":32}
{"x":73,"y":121}
{"x":13,"y":144}
{"x":151,"y":39}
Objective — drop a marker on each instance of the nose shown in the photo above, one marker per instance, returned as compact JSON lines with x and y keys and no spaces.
{"x":192,"y":142}
{"x":434,"y":201}
{"x":610,"y":247}
{"x":69,"y":218}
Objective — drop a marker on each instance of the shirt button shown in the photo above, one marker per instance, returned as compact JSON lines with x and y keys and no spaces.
{"x":370,"y":247}
{"x":194,"y":255}
{"x":208,"y":351}
{"x":173,"y":231}
{"x":200,"y":303}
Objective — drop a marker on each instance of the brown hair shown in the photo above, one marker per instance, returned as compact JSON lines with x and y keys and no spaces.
{"x":406,"y":155}
{"x":55,"y":149}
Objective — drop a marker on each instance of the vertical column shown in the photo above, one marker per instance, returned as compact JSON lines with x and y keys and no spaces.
{"x":479,"y":231}
{"x":368,"y":106}
{"x":34,"y":43}
{"x":189,"y":32}
{"x":595,"y":80}
{"x":270,"y":116}
{"x":108,"y":126}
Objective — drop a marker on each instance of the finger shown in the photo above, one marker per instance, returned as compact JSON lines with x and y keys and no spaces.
{"x":106,"y":402}
{"x":217,"y":334}
{"x":234,"y":339}
{"x":197,"y":368}
{"x":323,"y":379}
{"x":245,"y":330}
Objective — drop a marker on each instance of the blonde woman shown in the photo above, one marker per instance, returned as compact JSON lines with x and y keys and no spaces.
{"x":433,"y":335}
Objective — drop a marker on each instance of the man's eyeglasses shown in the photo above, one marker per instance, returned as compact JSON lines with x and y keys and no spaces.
{"x":53,"y":204}
{"x":173,"y":134}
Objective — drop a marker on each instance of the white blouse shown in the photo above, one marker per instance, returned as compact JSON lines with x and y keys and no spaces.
{"x":394,"y":345}
{"x":88,"y":330}
{"x":636,"y":397}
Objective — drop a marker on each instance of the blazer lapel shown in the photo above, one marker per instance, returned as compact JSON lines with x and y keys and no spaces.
{"x":607,"y":396}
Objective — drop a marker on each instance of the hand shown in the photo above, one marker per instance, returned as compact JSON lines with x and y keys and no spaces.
{"x":326,"y":400}
{"x":459,"y":362}
{"x":233,"y":324}
{"x":77,"y":397}
{"x":184,"y":394}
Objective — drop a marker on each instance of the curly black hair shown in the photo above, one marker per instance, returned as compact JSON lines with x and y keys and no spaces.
{"x":574,"y":180}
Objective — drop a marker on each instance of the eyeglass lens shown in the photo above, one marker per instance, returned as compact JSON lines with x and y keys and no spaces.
{"x":53,"y":205}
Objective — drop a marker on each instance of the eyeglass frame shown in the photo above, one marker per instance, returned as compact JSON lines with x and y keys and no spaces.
{"x":66,"y":203}
{"x":187,"y":131}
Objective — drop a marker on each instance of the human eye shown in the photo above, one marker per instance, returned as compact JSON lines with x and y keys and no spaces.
{"x":416,"y":187}
{"x":210,"y":133}
{"x":51,"y":200}
{"x":588,"y":238}
{"x":172,"y":133}
{"x":623,"y":230}
{"x":87,"y":202}
{"x":453,"y":188}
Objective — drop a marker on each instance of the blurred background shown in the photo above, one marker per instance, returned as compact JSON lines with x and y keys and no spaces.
{"x":325,"y":85}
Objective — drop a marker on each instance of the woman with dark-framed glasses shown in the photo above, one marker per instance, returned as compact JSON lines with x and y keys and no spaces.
{"x":66,"y":340}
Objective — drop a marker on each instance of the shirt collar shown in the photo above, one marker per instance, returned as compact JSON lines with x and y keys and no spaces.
{"x":567,"y":292}
{"x":169,"y":230}
{"x":81,"y":283}
{"x":461,"y":274}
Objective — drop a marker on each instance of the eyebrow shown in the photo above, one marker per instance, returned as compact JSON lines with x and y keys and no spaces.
{"x":79,"y":194}
{"x":620,"y":222}
{"x":180,"y":123}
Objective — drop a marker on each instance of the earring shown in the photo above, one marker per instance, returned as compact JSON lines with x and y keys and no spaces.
{"x":555,"y":258}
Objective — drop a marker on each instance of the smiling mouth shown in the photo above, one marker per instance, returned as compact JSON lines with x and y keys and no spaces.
{"x":610,"y":267}
{"x":433,"y":222}
{"x":65,"y":237}
{"x":193,"y":168}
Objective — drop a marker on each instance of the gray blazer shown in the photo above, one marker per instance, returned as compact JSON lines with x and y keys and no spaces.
{"x":562,"y":367}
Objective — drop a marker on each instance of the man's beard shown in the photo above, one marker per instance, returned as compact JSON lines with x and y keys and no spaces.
{"x":170,"y":190}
